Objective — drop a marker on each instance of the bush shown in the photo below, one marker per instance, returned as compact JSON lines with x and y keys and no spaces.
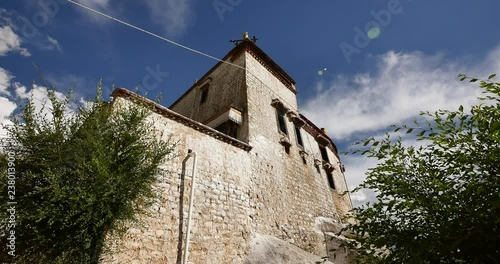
{"x":78,"y":174}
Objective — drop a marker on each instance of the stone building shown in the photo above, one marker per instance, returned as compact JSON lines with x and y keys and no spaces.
{"x":263,"y":169}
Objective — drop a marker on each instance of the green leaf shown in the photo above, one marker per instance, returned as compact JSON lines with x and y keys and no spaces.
{"x":495,"y":126}
{"x":80,"y":176}
{"x":424,"y":192}
{"x":491,"y":76}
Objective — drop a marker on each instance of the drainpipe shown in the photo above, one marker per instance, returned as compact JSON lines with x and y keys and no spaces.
{"x":345,"y":181}
{"x":191,"y":198}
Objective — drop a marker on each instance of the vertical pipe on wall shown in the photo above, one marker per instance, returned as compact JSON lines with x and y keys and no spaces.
{"x":191,"y":199}
{"x":345,"y":181}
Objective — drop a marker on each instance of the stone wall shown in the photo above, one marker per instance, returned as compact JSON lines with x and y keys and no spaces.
{"x":221,"y":223}
{"x":241,"y":191}
{"x":226,"y":88}
{"x":289,"y":190}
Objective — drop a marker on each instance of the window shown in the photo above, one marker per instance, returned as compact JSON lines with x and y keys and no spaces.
{"x":229,"y":128}
{"x":281,"y":122}
{"x":329,"y":176}
{"x":324,"y":154}
{"x":204,"y":93}
{"x":299,"y":137}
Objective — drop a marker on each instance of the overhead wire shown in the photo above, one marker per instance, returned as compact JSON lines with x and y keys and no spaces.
{"x":152,"y":34}
{"x":181,"y":46}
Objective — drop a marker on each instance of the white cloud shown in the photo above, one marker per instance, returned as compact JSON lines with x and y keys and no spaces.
{"x":356,"y":167}
{"x":402,"y":85}
{"x":172,"y":15}
{"x":7,"y":107}
{"x":67,"y":81}
{"x":10,"y":42}
{"x":96,"y":3}
{"x":99,"y":5}
{"x":5,"y":17}
{"x":5,"y":78}
{"x":53,"y":44}
{"x":40,"y":97}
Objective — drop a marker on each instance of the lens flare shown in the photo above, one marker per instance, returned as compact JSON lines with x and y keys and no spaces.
{"x":373,"y":33}
{"x":321,"y":72}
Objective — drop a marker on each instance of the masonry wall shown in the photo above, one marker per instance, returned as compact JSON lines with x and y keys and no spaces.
{"x":239,"y":193}
{"x":227,"y":88}
{"x":221,"y":226}
{"x":288,"y":194}
{"x":341,"y":199}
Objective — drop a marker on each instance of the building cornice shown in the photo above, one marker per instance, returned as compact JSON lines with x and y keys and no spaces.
{"x":269,"y":64}
{"x":266,"y":61}
{"x":161,"y":110}
{"x":312,"y":129}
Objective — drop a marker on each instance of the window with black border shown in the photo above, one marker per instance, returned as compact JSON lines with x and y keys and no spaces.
{"x":204,"y":93}
{"x":324,"y":154}
{"x":280,"y":116}
{"x":298,"y":135}
{"x":329,"y":176}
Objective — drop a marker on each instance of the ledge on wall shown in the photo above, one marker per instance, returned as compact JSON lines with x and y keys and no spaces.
{"x":161,"y":110}
{"x":322,"y":140}
{"x":328,"y":167}
{"x":276,"y":103}
{"x":286,"y":143}
{"x":295,"y":118}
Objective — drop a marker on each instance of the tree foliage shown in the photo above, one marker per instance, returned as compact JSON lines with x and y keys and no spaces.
{"x":78,"y":174}
{"x":440,"y":202}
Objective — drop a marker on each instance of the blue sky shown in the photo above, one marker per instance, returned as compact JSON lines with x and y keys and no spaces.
{"x":410,"y":64}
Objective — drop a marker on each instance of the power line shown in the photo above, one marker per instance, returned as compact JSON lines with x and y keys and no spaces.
{"x":153,"y":34}
{"x":179,"y":45}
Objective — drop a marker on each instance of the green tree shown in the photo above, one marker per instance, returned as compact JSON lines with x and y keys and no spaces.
{"x":78,"y":175}
{"x":440,"y":202}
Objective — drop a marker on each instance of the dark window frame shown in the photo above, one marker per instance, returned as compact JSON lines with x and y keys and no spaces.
{"x":331,"y":182}
{"x":229,"y":128}
{"x":204,"y":93}
{"x":298,"y":137}
{"x":280,"y":119}
{"x":324,"y":153}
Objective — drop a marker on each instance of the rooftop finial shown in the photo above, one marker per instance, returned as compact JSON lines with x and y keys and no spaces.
{"x":245,"y":37}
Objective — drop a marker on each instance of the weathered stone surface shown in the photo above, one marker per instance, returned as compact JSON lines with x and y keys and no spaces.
{"x":324,"y":225}
{"x":249,"y":186}
{"x":267,"y":249}
{"x":338,"y":251}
